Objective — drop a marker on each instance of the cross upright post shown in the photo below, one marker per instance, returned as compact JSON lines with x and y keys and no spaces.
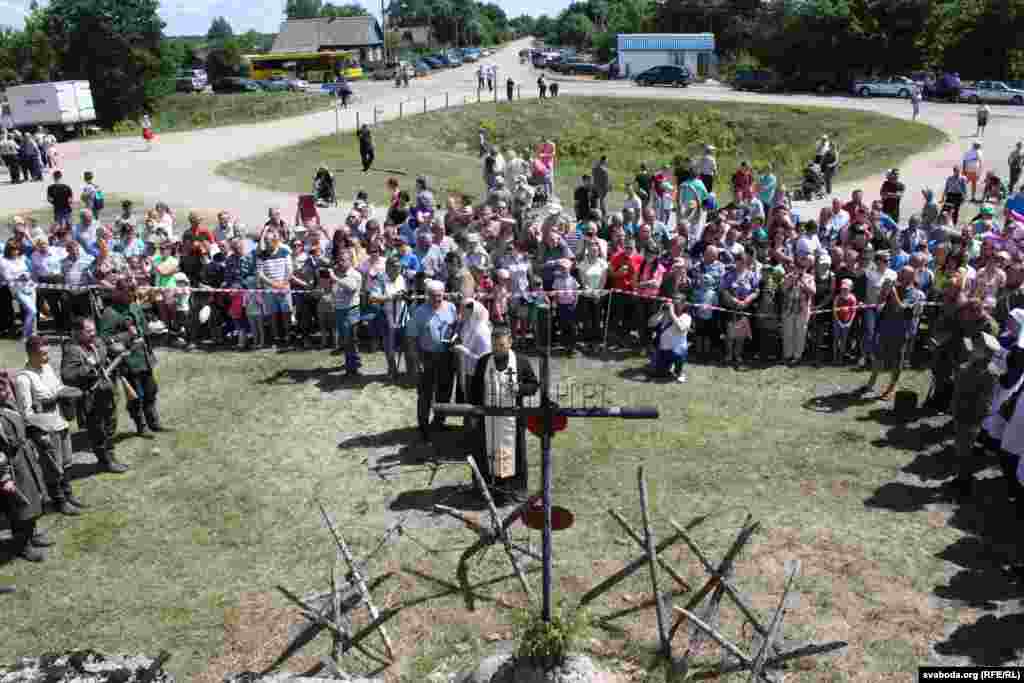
{"x":547,"y":411}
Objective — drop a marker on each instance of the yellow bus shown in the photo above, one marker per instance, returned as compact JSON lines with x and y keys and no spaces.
{"x":315,"y":67}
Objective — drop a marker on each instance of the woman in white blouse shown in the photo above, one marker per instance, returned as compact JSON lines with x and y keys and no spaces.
{"x":474,"y":341}
{"x":593,"y":276}
{"x":17,"y":273}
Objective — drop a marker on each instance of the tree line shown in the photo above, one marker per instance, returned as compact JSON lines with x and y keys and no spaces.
{"x":977,"y":38}
{"x":453,"y":22}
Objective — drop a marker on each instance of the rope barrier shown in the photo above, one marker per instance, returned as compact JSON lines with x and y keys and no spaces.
{"x":538,"y":293}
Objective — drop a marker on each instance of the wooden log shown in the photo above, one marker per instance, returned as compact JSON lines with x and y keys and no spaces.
{"x":721,"y":571}
{"x":646,"y":604}
{"x":776,"y":661}
{"x":312,"y":614}
{"x":661,"y":561}
{"x":759,"y":660}
{"x":343,"y":547}
{"x":652,"y":557}
{"x":498,"y":529}
{"x":730,"y":590}
{"x":720,"y":639}
{"x":336,"y":595}
{"x":631,"y":568}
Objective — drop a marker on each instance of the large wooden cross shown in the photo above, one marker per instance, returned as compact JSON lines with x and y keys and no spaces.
{"x":547,"y":410}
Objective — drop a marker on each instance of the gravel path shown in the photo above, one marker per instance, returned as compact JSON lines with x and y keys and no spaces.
{"x":180,"y":170}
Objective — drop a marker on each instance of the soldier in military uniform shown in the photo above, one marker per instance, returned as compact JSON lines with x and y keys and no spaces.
{"x":972,"y":397}
{"x":84,"y":366}
{"x":22,"y":487}
{"x":123,"y":326}
{"x":959,"y":320}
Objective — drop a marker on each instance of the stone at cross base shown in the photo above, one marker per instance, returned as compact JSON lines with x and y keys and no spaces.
{"x":284,"y":677}
{"x":86,"y":665}
{"x":504,"y":668}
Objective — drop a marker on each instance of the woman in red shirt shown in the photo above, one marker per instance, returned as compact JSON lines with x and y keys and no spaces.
{"x":743,"y":183}
{"x":648,"y":284}
{"x":622,"y":273}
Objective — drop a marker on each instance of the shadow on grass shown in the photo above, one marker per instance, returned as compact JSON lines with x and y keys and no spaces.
{"x":838,"y":402}
{"x":327,"y":379}
{"x":458,"y":496}
{"x":987,"y":558}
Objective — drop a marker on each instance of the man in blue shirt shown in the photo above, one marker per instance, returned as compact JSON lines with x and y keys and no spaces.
{"x":432,"y":327}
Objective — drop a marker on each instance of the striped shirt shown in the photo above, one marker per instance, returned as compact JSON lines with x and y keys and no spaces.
{"x":277,"y":266}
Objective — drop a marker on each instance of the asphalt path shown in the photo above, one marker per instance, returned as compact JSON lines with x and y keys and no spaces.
{"x":180,"y":169}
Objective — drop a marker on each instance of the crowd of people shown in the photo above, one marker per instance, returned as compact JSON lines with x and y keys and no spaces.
{"x":675,"y":273}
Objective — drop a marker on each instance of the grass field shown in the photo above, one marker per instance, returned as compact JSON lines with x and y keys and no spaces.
{"x":185,"y":551}
{"x":443,"y":145}
{"x":189,"y":111}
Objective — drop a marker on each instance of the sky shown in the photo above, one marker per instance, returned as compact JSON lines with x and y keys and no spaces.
{"x":193,"y":17}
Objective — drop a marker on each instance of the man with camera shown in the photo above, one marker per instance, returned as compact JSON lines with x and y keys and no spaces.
{"x":85,"y":366}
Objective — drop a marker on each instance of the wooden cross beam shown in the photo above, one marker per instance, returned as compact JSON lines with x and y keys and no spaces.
{"x":359,"y":581}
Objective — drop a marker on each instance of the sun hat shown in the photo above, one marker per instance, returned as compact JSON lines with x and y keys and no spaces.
{"x":847,"y":284}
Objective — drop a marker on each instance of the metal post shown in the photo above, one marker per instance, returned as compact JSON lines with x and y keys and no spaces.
{"x":519,"y":92}
{"x":446,"y":100}
{"x":495,"y":92}
{"x":400,"y":109}
{"x":337,"y":118}
{"x":545,"y":459}
{"x":424,"y":105}
{"x":375,"y":117}
{"x":357,"y":120}
{"x":478,"y":95}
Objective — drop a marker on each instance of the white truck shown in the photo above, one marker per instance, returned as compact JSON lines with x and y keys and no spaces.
{"x":63,"y":106}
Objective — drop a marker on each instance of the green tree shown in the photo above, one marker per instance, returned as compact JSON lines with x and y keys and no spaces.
{"x":303,"y":9}
{"x":115,"y":45}
{"x":352,"y":9}
{"x":225,"y":61}
{"x":220,"y":30}
{"x":523,"y":25}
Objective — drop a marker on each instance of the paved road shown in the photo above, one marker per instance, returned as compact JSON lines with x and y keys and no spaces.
{"x":180,"y":170}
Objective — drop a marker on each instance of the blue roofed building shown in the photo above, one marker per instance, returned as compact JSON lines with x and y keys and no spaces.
{"x":640,"y":51}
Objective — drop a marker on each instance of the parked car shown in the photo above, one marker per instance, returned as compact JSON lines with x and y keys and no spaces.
{"x":894,"y":86}
{"x":235,"y":84}
{"x":678,"y":76}
{"x":290,"y":83}
{"x":421,"y":68}
{"x":471,"y":54}
{"x":454,"y":58}
{"x":187,"y":84}
{"x":444,"y":60}
{"x":272,"y":85}
{"x":947,"y":87}
{"x":433,"y":62}
{"x":582,"y":68}
{"x":991,"y":91}
{"x":757,"y":80}
{"x":820,"y":82}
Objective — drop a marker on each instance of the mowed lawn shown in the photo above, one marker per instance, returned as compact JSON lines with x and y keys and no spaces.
{"x":184,"y":552}
{"x":444,"y":145}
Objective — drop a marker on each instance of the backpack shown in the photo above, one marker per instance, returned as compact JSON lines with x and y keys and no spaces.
{"x":97,"y":200}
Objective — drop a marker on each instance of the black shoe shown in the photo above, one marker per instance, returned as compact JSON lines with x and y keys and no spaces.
{"x":140,"y":428}
{"x":962,"y":487}
{"x":425,"y":433}
{"x":32,"y":554}
{"x":111,"y":465}
{"x":66,"y":508}
{"x":40,"y":539}
{"x":78,"y":503}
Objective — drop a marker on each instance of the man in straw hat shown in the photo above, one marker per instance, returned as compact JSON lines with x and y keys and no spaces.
{"x":124,"y":324}
{"x":432,"y":327}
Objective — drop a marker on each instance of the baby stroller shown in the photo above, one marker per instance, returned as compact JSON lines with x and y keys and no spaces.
{"x":995,"y":189}
{"x":323,"y":188}
{"x":813,"y":185}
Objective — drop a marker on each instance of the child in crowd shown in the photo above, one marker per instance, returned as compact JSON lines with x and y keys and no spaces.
{"x":565,"y":296}
{"x":325,"y":310}
{"x":844,"y":312}
{"x":500,"y":298}
{"x":181,"y":306}
{"x":254,"y":311}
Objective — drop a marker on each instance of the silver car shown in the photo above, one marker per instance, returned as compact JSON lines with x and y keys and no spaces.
{"x":895,"y":86}
{"x":992,"y":91}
